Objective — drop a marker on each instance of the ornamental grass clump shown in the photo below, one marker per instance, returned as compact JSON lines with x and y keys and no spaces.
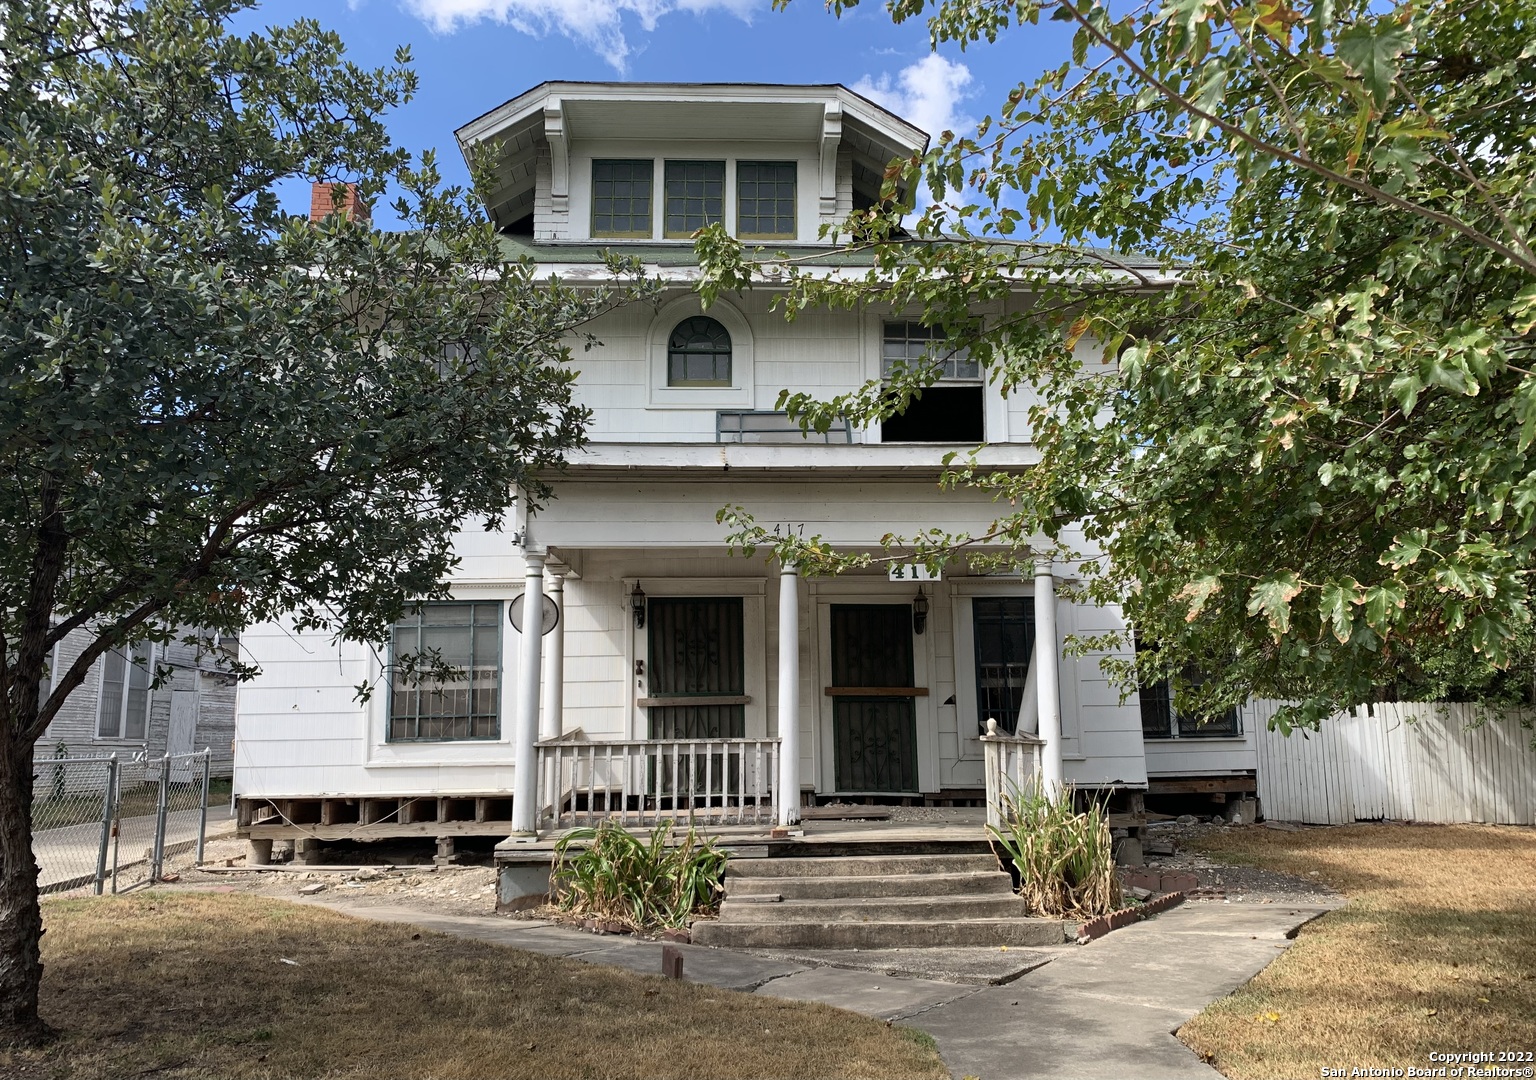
{"x":609,"y":873}
{"x":1065,"y":859}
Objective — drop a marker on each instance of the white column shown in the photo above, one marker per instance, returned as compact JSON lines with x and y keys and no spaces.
{"x":552,"y":722}
{"x":525,"y":782}
{"x":789,"y":696}
{"x":1047,"y":663}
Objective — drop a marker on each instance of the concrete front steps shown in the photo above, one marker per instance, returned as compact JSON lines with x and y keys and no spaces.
{"x":874,"y":902}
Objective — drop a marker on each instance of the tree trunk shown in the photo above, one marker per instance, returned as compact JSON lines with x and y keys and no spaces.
{"x":21,"y":920}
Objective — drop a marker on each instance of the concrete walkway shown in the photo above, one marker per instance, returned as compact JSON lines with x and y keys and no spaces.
{"x":1096,"y":1012}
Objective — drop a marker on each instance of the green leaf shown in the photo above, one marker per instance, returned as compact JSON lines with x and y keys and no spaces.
{"x":1371,"y":53}
{"x":1383,"y":605}
{"x":1336,"y":606}
{"x":1272,"y":598}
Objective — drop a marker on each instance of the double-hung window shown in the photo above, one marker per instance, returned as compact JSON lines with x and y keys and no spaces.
{"x":695,"y":197}
{"x":1161,"y":719}
{"x":765,"y":200}
{"x":949,"y":411}
{"x":123,"y":709}
{"x":621,"y":198}
{"x":467,"y":703}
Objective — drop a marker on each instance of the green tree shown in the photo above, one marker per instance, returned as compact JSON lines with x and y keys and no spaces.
{"x":1305,"y":446}
{"x":213,"y":413}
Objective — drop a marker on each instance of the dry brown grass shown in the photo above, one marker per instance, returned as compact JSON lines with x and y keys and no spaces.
{"x":181,"y":986}
{"x":1436,"y":952}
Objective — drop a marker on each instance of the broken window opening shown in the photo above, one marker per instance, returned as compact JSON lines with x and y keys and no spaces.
{"x":950,"y":411}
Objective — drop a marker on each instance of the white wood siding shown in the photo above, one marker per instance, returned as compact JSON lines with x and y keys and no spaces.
{"x":302,"y":731}
{"x":1101,"y":735}
{"x":1415,"y":762}
{"x":824,"y":353}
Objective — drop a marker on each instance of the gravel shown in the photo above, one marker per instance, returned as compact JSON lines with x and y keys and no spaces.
{"x":1221,"y":881}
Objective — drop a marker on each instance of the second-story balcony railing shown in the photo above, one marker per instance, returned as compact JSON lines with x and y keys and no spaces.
{"x":766,"y":426}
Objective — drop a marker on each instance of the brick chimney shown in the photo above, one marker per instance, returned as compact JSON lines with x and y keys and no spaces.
{"x":322,"y":203}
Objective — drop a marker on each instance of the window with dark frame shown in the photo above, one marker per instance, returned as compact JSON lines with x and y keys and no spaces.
{"x":1161,"y":720}
{"x":621,"y":198}
{"x":765,"y":200}
{"x":465,"y":636}
{"x":1003,"y":635}
{"x":123,"y":710}
{"x":699,"y":353}
{"x":695,"y":197}
{"x":950,"y":411}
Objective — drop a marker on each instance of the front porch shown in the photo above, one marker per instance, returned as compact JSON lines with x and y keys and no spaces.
{"x":721,"y":697}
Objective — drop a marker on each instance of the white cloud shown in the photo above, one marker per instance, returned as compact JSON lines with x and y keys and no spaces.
{"x":598,"y":24}
{"x":928,"y":93}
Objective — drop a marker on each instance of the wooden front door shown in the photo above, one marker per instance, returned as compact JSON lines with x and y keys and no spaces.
{"x":874,"y":709}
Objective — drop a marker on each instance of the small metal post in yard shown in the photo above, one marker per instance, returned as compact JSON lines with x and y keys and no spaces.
{"x":161,"y":805}
{"x":202,"y":820}
{"x":106,"y":823}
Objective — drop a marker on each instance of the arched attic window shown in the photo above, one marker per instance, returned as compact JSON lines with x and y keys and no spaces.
{"x":699,"y":353}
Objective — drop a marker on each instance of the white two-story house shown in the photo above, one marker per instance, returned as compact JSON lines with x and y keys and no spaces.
{"x":865,"y":685}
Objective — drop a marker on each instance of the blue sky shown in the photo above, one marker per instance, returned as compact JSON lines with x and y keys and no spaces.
{"x":472,"y":55}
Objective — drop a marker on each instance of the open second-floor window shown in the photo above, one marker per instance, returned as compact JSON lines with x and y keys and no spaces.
{"x":695,"y":197}
{"x":765,"y":200}
{"x":952,"y":409}
{"x":1161,"y":719}
{"x":699,"y":353}
{"x":463,"y":636}
{"x":122,"y":712}
{"x":621,"y":198}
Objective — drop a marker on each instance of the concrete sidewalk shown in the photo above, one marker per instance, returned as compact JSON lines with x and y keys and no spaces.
{"x":1095,"y":1012}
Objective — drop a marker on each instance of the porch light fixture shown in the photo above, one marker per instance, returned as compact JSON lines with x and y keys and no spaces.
{"x":637,"y":605}
{"x":919,"y":612}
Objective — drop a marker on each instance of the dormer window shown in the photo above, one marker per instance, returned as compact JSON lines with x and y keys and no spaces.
{"x":765,"y":200}
{"x":621,"y":198}
{"x":699,"y":353}
{"x":695,"y":194}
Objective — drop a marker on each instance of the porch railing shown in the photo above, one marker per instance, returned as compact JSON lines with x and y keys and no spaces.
{"x":643,"y":782}
{"x":1012,"y":767}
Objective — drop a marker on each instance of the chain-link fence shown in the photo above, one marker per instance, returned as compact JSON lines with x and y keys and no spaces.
{"x":100,"y":822}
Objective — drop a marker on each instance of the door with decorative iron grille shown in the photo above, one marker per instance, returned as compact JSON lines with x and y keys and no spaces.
{"x":697,"y":683}
{"x":874,"y":706}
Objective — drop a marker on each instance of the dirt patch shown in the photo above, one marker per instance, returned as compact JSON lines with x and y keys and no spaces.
{"x":463,"y":889}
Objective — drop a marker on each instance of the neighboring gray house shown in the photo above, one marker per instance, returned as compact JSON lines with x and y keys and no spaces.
{"x":119,"y":710}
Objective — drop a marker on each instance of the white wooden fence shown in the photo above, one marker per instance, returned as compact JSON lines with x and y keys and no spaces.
{"x":1430,"y":761}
